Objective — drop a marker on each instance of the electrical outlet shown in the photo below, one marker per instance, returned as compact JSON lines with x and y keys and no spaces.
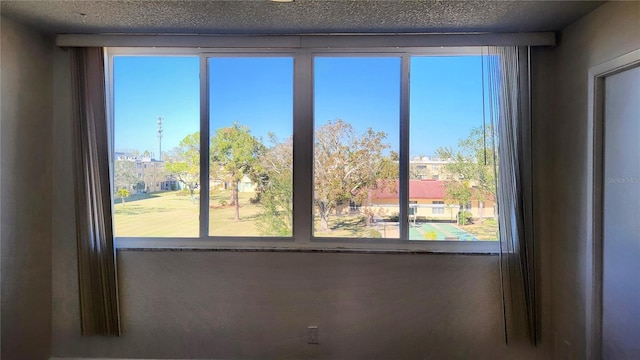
{"x":313,"y":334}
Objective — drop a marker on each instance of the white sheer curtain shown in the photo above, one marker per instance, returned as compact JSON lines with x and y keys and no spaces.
{"x":96,"y":252}
{"x":508,"y":88}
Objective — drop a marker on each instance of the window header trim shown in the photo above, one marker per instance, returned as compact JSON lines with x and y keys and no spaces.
{"x":334,"y":41}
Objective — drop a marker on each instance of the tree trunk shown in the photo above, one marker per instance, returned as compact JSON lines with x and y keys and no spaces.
{"x":232,"y":200}
{"x":191,"y":192}
{"x":234,"y":195}
{"x":324,"y":216}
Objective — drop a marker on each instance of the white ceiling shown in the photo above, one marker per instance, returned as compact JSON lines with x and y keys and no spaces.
{"x":299,"y":17}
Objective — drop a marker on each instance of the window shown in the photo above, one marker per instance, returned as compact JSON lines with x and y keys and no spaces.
{"x":450,"y":88}
{"x":214,"y":137}
{"x":155,"y":108}
{"x":438,"y":208}
{"x":251,"y":153}
{"x":356,"y":140}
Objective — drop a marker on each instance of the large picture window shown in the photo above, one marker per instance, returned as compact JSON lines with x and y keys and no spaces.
{"x":392,"y":148}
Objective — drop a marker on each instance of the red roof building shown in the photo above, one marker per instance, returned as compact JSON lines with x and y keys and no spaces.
{"x":418,"y":189}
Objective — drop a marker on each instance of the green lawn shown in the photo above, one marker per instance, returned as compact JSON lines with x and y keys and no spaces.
{"x":161,"y":214}
{"x":167,"y":214}
{"x":221,"y":217}
{"x":485,"y":230}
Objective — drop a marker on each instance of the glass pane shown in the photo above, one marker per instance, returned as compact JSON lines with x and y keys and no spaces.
{"x":356,"y":145}
{"x":156,"y":120}
{"x":251,"y":159}
{"x":451,"y":177}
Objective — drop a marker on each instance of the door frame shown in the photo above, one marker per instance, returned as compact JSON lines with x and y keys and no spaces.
{"x":595,"y":183}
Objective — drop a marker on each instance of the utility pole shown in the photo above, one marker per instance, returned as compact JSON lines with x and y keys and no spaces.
{"x":160,"y":121}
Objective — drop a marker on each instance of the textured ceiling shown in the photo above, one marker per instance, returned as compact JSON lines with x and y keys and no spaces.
{"x":300,"y":17}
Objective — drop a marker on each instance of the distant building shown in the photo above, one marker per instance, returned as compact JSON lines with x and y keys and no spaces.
{"x":429,"y":168}
{"x":427,"y":201}
{"x":143,"y":174}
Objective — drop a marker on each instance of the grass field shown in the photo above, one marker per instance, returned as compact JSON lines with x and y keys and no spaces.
{"x":160,"y":214}
{"x":166,"y":214}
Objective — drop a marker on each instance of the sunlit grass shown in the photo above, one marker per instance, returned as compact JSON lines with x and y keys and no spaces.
{"x":222,"y":217}
{"x":173,"y":214}
{"x":167,"y":214}
{"x":163,"y":214}
{"x":485,"y":230}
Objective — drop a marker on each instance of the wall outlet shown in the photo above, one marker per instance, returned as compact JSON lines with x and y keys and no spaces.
{"x":313,"y":334}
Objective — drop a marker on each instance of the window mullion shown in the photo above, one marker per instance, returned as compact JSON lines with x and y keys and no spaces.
{"x":204,"y":147}
{"x":303,"y":148}
{"x":404,"y":148}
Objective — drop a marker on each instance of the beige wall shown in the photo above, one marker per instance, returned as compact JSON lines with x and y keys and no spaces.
{"x":606,"y":33}
{"x":258,"y":305}
{"x":25,"y":155}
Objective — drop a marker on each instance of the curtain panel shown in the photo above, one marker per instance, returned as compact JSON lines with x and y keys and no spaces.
{"x":99,"y":311}
{"x":509,"y":99}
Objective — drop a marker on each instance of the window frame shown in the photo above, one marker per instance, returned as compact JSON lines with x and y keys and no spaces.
{"x":303,"y":135}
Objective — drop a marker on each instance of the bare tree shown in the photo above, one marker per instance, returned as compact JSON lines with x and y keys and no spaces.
{"x":347,"y":166}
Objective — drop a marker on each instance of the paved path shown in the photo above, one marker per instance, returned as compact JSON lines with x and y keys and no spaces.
{"x":445,"y":232}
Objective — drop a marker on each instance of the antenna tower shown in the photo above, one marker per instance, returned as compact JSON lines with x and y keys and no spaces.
{"x":160,"y":121}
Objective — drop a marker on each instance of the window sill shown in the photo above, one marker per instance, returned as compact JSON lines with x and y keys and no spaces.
{"x":330,"y":245}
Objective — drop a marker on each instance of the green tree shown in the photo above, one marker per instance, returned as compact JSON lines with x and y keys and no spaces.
{"x":183,"y":162}
{"x":472,"y":167}
{"x":123,"y":193}
{"x":347,"y":166}
{"x":459,"y":192}
{"x":234,"y":154}
{"x":275,"y":186}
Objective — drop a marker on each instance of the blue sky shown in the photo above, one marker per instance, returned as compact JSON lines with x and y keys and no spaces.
{"x":148,"y":87}
{"x":256,"y":92}
{"x":364,"y":92}
{"x":445,"y":103}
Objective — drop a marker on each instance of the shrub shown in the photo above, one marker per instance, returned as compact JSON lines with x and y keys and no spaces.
{"x":375,"y":234}
{"x":183,"y":192}
{"x":465,"y":218}
{"x":222,"y":202}
{"x":255,"y":199}
{"x":490,"y":222}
